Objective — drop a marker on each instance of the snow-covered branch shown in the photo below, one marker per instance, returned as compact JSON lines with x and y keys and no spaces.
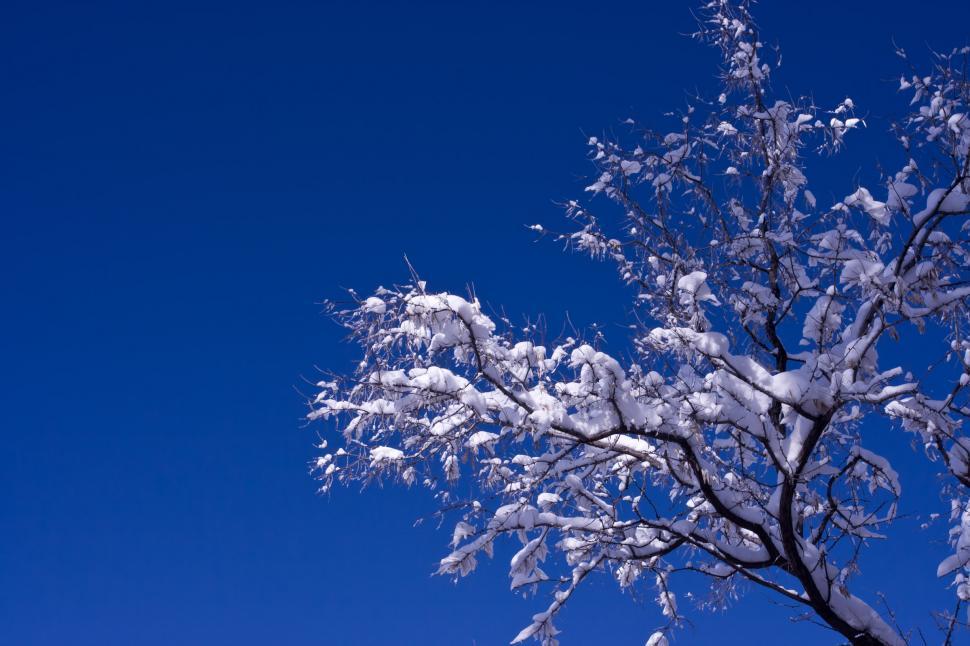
{"x":731,"y":442}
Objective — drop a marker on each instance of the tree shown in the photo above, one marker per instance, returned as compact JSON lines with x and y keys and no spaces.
{"x":731,"y":442}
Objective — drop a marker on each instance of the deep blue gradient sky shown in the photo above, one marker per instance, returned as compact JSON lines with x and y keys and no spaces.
{"x":181,"y":185}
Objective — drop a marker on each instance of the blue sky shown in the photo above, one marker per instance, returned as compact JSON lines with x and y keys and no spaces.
{"x":183,"y":183}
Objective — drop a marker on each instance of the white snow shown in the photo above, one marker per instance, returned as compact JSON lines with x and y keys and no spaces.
{"x":374,"y":305}
{"x":863,"y":199}
{"x":385,"y":454}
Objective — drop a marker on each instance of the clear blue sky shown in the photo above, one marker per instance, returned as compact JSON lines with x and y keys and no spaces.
{"x":183,"y":183}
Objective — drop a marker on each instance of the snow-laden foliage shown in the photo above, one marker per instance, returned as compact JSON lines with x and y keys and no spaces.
{"x":730,"y":444}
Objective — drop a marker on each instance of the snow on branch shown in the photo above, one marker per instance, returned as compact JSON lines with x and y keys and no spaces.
{"x":730,"y":441}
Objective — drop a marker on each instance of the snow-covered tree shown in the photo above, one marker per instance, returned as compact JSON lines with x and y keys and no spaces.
{"x":730,"y":440}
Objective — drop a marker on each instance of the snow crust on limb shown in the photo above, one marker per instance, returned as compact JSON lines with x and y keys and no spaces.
{"x":729,"y":440}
